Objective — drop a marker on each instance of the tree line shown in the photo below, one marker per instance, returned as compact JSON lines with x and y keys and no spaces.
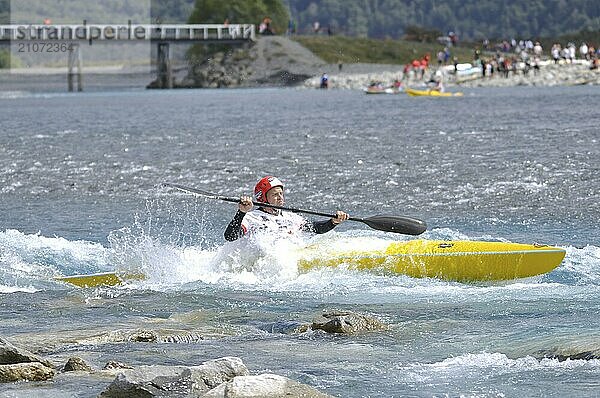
{"x":470,"y":19}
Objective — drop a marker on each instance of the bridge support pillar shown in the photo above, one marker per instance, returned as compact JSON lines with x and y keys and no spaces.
{"x":163,"y":64}
{"x":74,"y":62}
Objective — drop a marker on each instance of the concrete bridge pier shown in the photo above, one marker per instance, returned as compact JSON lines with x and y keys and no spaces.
{"x":163,"y":64}
{"x":74,"y":61}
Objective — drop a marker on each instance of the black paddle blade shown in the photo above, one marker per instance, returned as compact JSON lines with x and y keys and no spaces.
{"x":398,"y":224}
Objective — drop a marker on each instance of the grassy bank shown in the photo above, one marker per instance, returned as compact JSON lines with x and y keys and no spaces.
{"x":334,"y":49}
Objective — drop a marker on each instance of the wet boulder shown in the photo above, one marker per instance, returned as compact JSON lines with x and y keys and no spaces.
{"x":18,"y":364}
{"x":212,"y":373}
{"x":175,"y":381}
{"x":347,"y":322}
{"x":25,"y":371}
{"x":76,"y":364}
{"x":285,"y":327}
{"x":150,"y":381}
{"x":265,"y":386}
{"x":10,"y":354}
{"x":143,"y":336}
{"x":110,"y":365}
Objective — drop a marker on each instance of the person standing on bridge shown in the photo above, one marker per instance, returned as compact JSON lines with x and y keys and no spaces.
{"x":266,"y":219}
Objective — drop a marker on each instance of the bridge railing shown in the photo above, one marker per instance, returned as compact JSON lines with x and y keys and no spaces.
{"x":122,"y":32}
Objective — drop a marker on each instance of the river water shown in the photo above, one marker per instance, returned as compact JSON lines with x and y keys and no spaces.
{"x":80,"y":191}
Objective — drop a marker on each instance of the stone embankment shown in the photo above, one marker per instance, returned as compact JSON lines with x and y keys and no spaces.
{"x":271,"y":61}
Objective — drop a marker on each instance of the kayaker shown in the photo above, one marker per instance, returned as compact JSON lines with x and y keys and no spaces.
{"x":439,"y":86}
{"x":437,"y":82}
{"x":270,"y":190}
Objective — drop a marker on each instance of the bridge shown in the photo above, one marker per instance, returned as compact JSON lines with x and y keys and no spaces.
{"x":126,"y":32}
{"x":162,"y":34}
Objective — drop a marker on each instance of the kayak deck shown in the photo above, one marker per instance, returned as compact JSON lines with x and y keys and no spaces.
{"x":99,"y":279}
{"x":462,"y":261}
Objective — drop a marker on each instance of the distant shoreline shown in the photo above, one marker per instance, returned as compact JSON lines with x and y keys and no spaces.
{"x":353,"y":77}
{"x":62,"y":70}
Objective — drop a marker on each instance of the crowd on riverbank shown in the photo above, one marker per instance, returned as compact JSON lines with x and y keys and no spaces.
{"x":548,"y":73}
{"x":514,"y":63}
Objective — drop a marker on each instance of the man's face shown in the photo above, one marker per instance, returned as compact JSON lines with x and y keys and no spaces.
{"x":275,"y":196}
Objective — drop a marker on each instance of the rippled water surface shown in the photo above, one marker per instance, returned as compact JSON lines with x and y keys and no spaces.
{"x":80,"y":189}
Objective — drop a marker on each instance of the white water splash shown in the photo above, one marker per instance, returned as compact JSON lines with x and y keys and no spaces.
{"x":496,"y":363}
{"x":265,"y":264}
{"x":38,"y":257}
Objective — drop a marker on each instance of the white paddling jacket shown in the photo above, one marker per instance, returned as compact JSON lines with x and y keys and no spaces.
{"x":283,"y":223}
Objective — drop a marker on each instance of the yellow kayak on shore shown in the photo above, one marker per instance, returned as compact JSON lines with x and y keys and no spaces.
{"x":430,"y":93}
{"x":461,"y":261}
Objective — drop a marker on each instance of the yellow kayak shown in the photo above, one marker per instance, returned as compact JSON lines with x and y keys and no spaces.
{"x":99,"y":279}
{"x":430,"y":93}
{"x":462,"y":261}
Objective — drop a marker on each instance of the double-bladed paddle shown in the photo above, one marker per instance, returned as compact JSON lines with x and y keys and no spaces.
{"x":398,"y":224}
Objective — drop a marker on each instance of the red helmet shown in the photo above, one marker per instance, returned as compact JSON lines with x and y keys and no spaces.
{"x":263,"y":186}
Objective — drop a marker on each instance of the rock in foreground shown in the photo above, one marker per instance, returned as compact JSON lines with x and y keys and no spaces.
{"x":263,"y":386}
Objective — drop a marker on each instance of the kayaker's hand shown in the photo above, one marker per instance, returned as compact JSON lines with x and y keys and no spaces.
{"x":340,"y":217}
{"x":245,"y":204}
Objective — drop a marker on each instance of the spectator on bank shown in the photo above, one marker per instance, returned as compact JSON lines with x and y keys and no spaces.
{"x":441,"y":56}
{"x":583,"y":51}
{"x":529,"y":45}
{"x":324,"y":81}
{"x":265,"y":27}
{"x":424,"y":65}
{"x":485,"y":44}
{"x":453,"y":38}
{"x":537,"y":49}
{"x":555,"y":52}
{"x":572,"y":51}
{"x":489,"y":68}
{"x":536,"y":64}
{"x":415,"y":65}
{"x":316,"y":27}
{"x":446,"y":55}
{"x":405,"y":72}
